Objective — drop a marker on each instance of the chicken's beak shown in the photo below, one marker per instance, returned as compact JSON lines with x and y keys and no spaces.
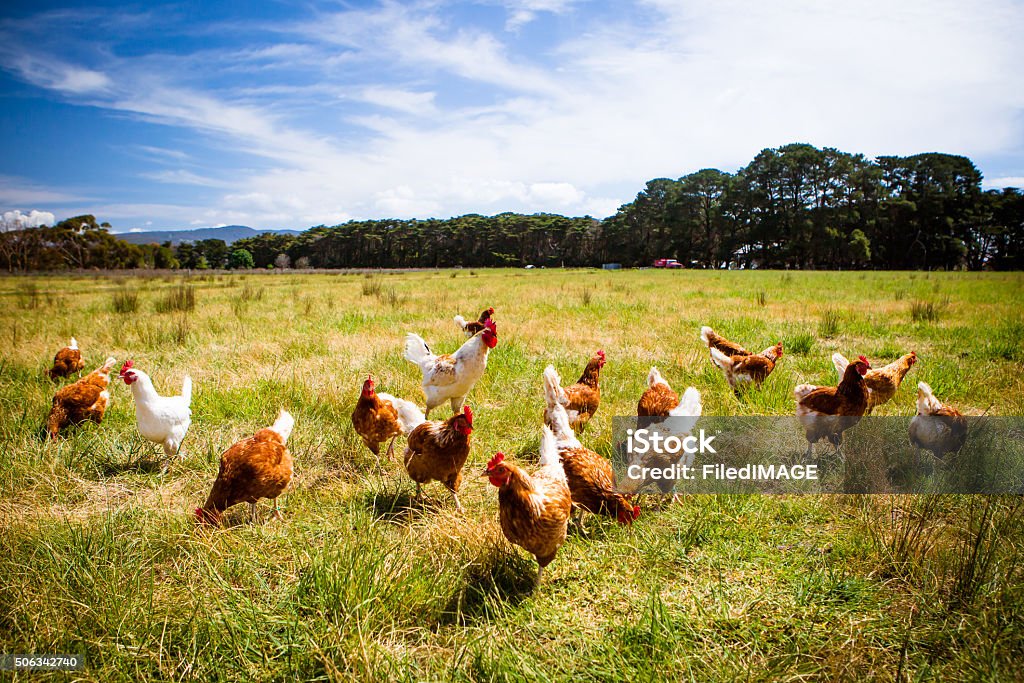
{"x":485,"y":473}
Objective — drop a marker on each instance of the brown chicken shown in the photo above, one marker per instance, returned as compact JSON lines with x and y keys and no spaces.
{"x":590,"y":477}
{"x":86,"y":399}
{"x":533,"y":510}
{"x":379,"y":417}
{"x":882,"y":382}
{"x":660,"y":401}
{"x":937,"y":427}
{"x":581,"y":400}
{"x":253,"y":468}
{"x":437,"y":451}
{"x":68,"y":361}
{"x":826,"y":412}
{"x":472,"y":327}
{"x":752,"y":368}
{"x":727,"y":347}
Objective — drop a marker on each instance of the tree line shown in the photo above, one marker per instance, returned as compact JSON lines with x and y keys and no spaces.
{"x":795,"y":206}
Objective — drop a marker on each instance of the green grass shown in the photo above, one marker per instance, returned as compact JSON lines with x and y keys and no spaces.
{"x":99,"y":555}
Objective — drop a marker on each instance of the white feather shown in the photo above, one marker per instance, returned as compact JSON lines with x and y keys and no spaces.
{"x":840,"y":363}
{"x":284,"y":424}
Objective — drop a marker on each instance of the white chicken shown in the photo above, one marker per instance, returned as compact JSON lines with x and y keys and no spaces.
{"x":450,"y":377}
{"x":164,"y":420}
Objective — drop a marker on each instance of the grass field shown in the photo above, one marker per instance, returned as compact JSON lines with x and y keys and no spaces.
{"x":99,"y":554}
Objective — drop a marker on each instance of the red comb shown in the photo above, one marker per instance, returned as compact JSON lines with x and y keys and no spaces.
{"x":600,"y":353}
{"x":468,"y":412}
{"x":128,"y":364}
{"x":496,"y":460}
{"x":491,"y":310}
{"x":489,"y":324}
{"x":864,"y":359}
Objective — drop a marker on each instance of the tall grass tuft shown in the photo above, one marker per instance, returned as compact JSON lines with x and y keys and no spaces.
{"x":761,"y":299}
{"x":372,"y":286}
{"x":28,"y":296}
{"x":828,"y":324}
{"x":800,"y":344}
{"x":925,"y":311}
{"x":124,"y":300}
{"x":180,"y":298}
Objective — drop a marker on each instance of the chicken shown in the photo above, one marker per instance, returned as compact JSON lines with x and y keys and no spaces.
{"x":164,"y":420}
{"x":471,"y":328}
{"x":660,"y":402}
{"x":253,"y":468}
{"x":437,"y":451}
{"x":533,"y":510}
{"x":938,"y":428}
{"x":590,"y":477}
{"x":379,"y":417}
{"x":743,"y":370}
{"x":68,"y":361}
{"x":580,"y":400}
{"x":727,"y":347}
{"x":826,"y":412}
{"x":882,"y":382}
{"x":86,"y":399}
{"x":451,"y":377}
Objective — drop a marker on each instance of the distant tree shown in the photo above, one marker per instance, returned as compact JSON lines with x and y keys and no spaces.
{"x":302,"y":263}
{"x":241,"y":258}
{"x":282,"y":261}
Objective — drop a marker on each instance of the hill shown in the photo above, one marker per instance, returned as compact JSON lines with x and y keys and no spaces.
{"x":228,"y":233}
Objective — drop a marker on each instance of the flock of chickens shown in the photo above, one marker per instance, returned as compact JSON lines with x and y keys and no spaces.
{"x":534,"y":508}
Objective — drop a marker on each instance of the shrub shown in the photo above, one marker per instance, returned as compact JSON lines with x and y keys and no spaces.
{"x":29,"y":297}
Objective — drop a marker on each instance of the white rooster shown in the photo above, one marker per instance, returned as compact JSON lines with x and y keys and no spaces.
{"x":164,"y":420}
{"x":450,"y":377}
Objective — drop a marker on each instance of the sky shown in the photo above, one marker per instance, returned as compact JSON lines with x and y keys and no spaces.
{"x":288,"y":115}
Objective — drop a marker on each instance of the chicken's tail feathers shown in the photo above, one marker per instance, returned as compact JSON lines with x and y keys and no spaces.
{"x":409,"y":415}
{"x":654,"y":378}
{"x":461,"y":322}
{"x":284,"y":424}
{"x":706,"y":333}
{"x":416,"y":350}
{"x":186,"y":390}
{"x":73,"y":344}
{"x":840,"y":362}
{"x":553,"y":392}
{"x":802,"y":390}
{"x":562,"y":428}
{"x":549,"y":459}
{"x":927,"y":404}
{"x":720,"y":359}
{"x":689,"y":405}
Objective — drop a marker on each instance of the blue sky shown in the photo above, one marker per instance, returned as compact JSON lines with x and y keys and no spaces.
{"x":288,"y":115}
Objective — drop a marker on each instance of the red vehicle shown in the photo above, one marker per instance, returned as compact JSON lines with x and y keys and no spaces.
{"x":667,"y":263}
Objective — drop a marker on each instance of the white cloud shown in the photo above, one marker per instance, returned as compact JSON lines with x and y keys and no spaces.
{"x":1005,"y":181}
{"x":16,"y":220}
{"x":418,"y":103}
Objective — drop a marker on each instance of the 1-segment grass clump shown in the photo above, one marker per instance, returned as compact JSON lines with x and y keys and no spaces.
{"x":100,"y":555}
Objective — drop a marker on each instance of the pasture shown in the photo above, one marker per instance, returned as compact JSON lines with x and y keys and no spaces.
{"x":99,"y":554}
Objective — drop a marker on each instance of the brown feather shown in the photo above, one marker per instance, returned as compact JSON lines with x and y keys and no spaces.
{"x":541,"y":535}
{"x":253,"y":468}
{"x":437,"y":451}
{"x":68,"y":361}
{"x":375,"y":421}
{"x":86,"y":399}
{"x":592,"y":482}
